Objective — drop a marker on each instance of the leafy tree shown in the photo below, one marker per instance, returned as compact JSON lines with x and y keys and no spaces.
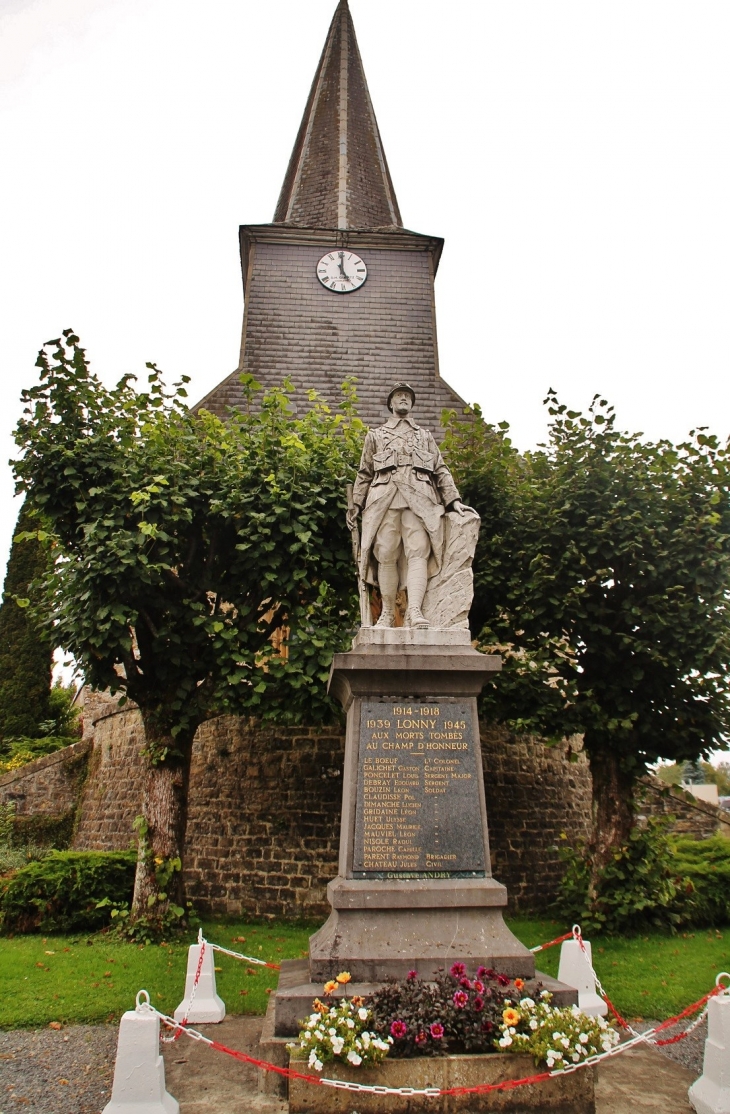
{"x":25,"y":651}
{"x":602,"y":577}
{"x":181,"y":546}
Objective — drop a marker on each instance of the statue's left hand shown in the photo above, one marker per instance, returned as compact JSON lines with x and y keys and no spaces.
{"x":461,"y":508}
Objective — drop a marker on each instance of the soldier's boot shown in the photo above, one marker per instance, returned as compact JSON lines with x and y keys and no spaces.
{"x":416,"y":583}
{"x":388,"y":583}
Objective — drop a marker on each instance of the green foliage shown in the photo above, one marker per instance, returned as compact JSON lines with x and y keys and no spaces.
{"x":601,"y":576}
{"x":183,"y":544}
{"x":656,"y":879}
{"x":63,"y":892}
{"x":705,"y":863}
{"x":639,"y":886}
{"x":25,"y":652}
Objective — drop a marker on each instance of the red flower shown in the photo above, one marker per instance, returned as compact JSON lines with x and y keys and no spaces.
{"x":421,"y":1037}
{"x":478,"y":1004}
{"x":486,"y":973}
{"x":398,"y":1029}
{"x":458,"y":970}
{"x":465,"y":983}
{"x":487,"y":1026}
{"x":502,"y":980}
{"x":479,"y":986}
{"x":412,"y":975}
{"x":437,"y":1030}
{"x":460,"y":999}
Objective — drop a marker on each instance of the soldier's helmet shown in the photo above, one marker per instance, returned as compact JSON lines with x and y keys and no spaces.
{"x":401,"y":387}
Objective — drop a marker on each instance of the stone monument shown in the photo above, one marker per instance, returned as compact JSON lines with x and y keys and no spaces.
{"x":414,"y":888}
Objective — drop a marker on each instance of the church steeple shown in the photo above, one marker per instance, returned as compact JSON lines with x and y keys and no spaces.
{"x":337,"y":175}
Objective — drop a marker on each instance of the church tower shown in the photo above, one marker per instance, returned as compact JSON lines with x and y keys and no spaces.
{"x":335,"y":286}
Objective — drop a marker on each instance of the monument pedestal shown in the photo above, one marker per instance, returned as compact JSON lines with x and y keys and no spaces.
{"x":415,"y":889}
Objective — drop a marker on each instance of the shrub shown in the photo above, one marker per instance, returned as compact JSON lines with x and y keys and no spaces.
{"x":641,"y":886}
{"x":706,"y":864}
{"x":656,"y":880}
{"x":62,"y":892}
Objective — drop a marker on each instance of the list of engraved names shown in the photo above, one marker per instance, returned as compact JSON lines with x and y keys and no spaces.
{"x":417,"y":796}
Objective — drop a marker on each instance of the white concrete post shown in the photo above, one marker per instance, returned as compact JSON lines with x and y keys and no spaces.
{"x":575,"y":970}
{"x":139,"y":1071}
{"x":711,"y":1093}
{"x":206,"y":1005}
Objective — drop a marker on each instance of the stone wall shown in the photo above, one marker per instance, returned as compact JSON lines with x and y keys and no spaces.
{"x":534,"y":793}
{"x":694,"y":818}
{"x":49,"y":786}
{"x":263,"y":823}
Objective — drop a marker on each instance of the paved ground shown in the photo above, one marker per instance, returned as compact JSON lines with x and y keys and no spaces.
{"x":69,"y":1072}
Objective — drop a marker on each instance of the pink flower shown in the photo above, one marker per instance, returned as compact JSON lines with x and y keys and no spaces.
{"x":479,"y":986}
{"x":437,"y":1030}
{"x":421,"y":1037}
{"x":412,"y":975}
{"x":486,"y":973}
{"x":460,"y":999}
{"x":465,"y":983}
{"x":458,"y":970}
{"x":398,"y":1029}
{"x":478,"y":1004}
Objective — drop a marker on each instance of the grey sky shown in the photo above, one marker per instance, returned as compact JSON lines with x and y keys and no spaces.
{"x":575,"y":155}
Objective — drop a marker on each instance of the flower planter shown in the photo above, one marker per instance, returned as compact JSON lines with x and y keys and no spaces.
{"x":564,"y":1094}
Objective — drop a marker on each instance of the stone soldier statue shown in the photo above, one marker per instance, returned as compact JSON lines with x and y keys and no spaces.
{"x":403,"y":488}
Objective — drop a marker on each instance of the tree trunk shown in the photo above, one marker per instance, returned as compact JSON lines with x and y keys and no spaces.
{"x":612,"y":808}
{"x":162,"y":828}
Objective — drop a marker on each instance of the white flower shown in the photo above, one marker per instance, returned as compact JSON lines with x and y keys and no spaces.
{"x":353,"y":1057}
{"x":350,"y":1023}
{"x":362,"y":1013}
{"x":319,"y":1034}
{"x":575,"y":1057}
{"x":583,"y":1038}
{"x":544,"y":994}
{"x":306,"y":1036}
{"x":557,"y":1055}
{"x":312,"y":1058}
{"x":506,"y":1041}
{"x":332,"y":1032}
{"x":317,"y":1065}
{"x":534,"y":1024}
{"x":565,"y":1042}
{"x":527,"y":1003}
{"x":366,"y":1039}
{"x":338,"y":1044}
{"x":313,"y":1019}
{"x":557,"y":1036}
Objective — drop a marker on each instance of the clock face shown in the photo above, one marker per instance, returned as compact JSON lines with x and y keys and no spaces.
{"x":341,"y":271}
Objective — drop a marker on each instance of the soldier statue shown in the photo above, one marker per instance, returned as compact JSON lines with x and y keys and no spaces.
{"x":403,"y":488}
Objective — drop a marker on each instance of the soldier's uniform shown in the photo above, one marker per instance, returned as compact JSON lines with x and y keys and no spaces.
{"x":403,"y":487}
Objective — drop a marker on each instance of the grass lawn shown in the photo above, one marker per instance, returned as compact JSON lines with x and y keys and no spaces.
{"x":75,"y":978}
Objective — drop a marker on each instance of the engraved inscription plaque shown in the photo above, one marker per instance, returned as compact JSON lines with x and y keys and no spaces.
{"x":417,"y":812}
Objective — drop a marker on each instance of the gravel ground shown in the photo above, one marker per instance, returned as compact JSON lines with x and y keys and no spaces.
{"x":688,"y":1052}
{"x":67,"y":1071}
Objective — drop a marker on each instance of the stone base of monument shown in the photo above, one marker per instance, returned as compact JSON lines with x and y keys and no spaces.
{"x":296,"y":993}
{"x":572,"y":1093}
{"x":415,"y":889}
{"x":387,"y":927}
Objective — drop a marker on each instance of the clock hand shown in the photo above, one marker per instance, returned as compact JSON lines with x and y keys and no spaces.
{"x":343,"y":272}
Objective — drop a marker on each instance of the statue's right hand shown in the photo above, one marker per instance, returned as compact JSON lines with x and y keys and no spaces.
{"x":352,"y":517}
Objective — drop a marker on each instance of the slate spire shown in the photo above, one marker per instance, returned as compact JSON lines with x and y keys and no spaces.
{"x":337,"y":175}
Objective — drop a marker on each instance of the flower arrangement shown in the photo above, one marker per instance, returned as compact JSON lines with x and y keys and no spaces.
{"x":451,"y":1012}
{"x":340,"y":1031}
{"x":557,"y":1036}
